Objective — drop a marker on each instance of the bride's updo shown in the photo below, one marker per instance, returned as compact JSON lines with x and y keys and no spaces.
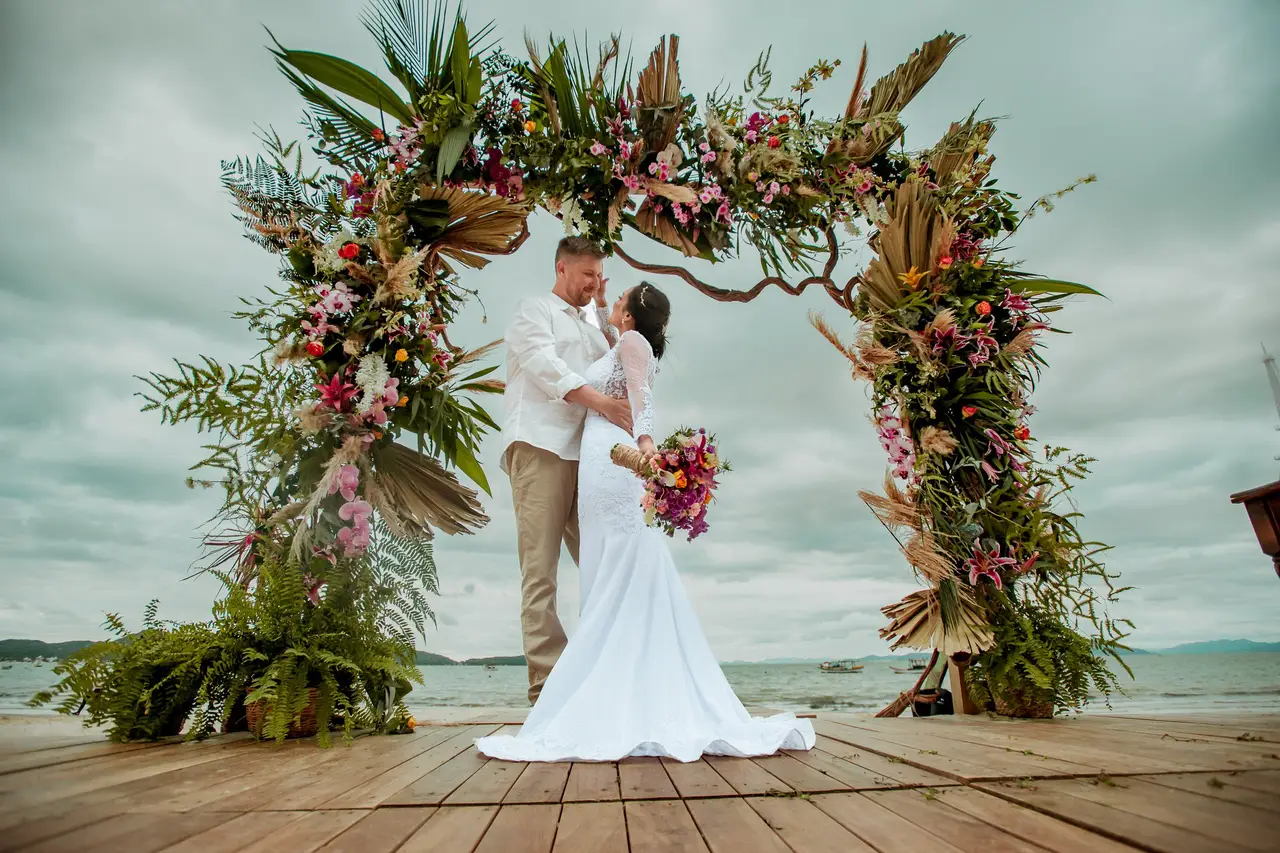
{"x":650,"y":309}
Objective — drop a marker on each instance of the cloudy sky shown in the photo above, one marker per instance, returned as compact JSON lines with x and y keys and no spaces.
{"x":120,"y":253}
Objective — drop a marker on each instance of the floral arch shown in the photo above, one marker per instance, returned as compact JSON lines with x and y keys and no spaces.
{"x":327,"y":518}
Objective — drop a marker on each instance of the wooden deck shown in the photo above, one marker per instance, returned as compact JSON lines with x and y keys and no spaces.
{"x":1096,"y":784}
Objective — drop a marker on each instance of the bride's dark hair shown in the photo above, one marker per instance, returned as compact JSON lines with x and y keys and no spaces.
{"x":651,"y":310}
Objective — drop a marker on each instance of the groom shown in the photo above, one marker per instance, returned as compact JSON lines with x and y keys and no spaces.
{"x":550,"y":344}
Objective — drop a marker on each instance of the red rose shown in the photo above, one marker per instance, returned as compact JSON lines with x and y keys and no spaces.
{"x":516,"y":105}
{"x":945,"y":262}
{"x":378,"y":134}
{"x":1022,"y":433}
{"x":349,"y":251}
{"x":315,"y":349}
{"x":983,"y":308}
{"x":969,"y":411}
{"x":774,"y":142}
{"x":784,"y":118}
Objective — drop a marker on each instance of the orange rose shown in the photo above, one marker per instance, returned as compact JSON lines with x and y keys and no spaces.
{"x":1022,"y":433}
{"x":530,"y":126}
{"x":969,"y":411}
{"x":983,"y":308}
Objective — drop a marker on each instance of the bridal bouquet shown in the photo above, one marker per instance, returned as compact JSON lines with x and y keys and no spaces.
{"x":680,"y":480}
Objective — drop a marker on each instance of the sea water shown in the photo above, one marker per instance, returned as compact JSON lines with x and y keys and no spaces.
{"x":1162,"y":684}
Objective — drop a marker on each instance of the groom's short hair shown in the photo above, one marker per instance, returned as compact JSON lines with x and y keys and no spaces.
{"x":579,"y":247}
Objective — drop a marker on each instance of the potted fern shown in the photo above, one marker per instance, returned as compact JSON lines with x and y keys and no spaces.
{"x":1038,"y":664}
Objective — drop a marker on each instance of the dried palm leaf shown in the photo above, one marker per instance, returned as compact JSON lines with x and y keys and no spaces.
{"x":905,"y":242}
{"x":938,"y":618}
{"x":421,"y":494}
{"x":659,"y":227}
{"x":400,"y":276}
{"x":941,"y":322}
{"x":857,"y":98}
{"x":479,"y":224}
{"x":658,"y":98}
{"x":953,"y":156}
{"x":1022,"y":343}
{"x":820,"y":323}
{"x":895,"y":90}
{"x":616,"y":207}
{"x":875,"y":354}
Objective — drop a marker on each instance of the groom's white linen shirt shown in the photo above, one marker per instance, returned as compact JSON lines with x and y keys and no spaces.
{"x":550,"y":345}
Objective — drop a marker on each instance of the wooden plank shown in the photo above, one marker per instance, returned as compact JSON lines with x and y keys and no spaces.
{"x":592,"y":782}
{"x":996,"y":762}
{"x":1242,"y":826}
{"x":592,"y":828}
{"x":728,"y":825}
{"x":435,"y":787}
{"x":540,"y":782}
{"x":696,"y":779}
{"x":380,"y":831}
{"x":747,"y":777}
{"x":1218,"y":786}
{"x":799,"y":776}
{"x":662,"y":826}
{"x":368,"y":758}
{"x":236,"y":833}
{"x":806,"y":829}
{"x":311,"y":833}
{"x":938,"y":820}
{"x":645,"y":779}
{"x":1266,"y":781}
{"x":378,"y":789}
{"x":892,"y":769}
{"x":1030,"y":826}
{"x":937,"y":765}
{"x":286,"y":767}
{"x":488,"y":785}
{"x":138,"y":833}
{"x":879,"y":827}
{"x":1104,"y":819}
{"x":13,"y":761}
{"x":49,"y":822}
{"x":854,"y":777}
{"x":451,"y":830}
{"x":521,"y":829}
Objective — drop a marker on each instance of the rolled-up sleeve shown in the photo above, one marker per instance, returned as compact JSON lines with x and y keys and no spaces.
{"x":532,"y":341}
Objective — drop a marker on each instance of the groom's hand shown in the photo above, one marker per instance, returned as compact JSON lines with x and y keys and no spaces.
{"x":599,"y":296}
{"x":618,"y":412}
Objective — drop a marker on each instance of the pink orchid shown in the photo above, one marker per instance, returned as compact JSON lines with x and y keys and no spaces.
{"x":768,"y":198}
{"x":355,"y":511}
{"x":723,"y":213}
{"x":598,"y":149}
{"x":354,"y":539}
{"x":987,"y":564}
{"x":752,"y":136}
{"x":632,"y":183}
{"x":346,"y":482}
{"x":709,"y":157}
{"x":786,"y":190}
{"x":625,"y":150}
{"x":391,"y":394}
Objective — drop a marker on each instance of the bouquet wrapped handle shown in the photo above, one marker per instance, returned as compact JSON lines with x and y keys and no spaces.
{"x":629,"y":458}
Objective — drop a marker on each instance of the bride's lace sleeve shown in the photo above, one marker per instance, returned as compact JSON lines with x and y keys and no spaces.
{"x":636,"y":357}
{"x":610,"y":333}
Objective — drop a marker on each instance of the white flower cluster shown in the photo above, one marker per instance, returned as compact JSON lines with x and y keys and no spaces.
{"x":327,"y":259}
{"x":372,"y":378}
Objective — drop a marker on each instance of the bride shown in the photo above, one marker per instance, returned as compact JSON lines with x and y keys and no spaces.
{"x":637,"y":677}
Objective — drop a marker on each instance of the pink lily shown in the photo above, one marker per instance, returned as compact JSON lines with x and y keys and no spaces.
{"x":987,"y":564}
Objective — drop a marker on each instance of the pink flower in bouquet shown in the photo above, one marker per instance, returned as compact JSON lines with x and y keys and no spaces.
{"x":1016,"y":303}
{"x":995,"y":443}
{"x":1028,"y":564}
{"x":391,"y":393}
{"x":442,"y":358}
{"x":992,"y":474}
{"x":723,"y":213}
{"x":313,"y":588}
{"x":335,"y":394}
{"x":987,"y":564}
{"x":598,"y":149}
{"x":355,"y":511}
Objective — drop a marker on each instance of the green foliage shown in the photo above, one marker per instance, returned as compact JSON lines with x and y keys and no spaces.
{"x":1038,"y":655}
{"x":145,"y":684}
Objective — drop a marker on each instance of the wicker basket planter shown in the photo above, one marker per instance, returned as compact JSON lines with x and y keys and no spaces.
{"x":305,"y":726}
{"x":1025,"y":704}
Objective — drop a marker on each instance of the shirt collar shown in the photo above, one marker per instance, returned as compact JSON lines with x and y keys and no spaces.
{"x":562,"y":305}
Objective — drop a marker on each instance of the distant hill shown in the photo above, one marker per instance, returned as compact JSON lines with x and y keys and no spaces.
{"x":433,"y":659}
{"x":1217,"y":647}
{"x":19,"y":649}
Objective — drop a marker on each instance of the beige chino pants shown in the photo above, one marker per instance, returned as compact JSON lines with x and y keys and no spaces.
{"x":544,"y":489}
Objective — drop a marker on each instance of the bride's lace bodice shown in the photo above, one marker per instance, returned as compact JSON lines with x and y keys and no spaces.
{"x":628,"y":371}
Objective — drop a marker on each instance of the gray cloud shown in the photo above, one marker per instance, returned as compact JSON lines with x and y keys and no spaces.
{"x":121,"y":254}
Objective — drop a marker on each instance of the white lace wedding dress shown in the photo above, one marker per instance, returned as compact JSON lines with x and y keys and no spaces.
{"x":637,"y":677}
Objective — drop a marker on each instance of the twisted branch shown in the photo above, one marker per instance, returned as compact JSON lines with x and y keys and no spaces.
{"x":842,"y":296}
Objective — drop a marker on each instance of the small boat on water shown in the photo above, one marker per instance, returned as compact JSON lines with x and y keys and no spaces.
{"x":913,"y":665}
{"x":840,"y":666}
{"x":490,"y":667}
